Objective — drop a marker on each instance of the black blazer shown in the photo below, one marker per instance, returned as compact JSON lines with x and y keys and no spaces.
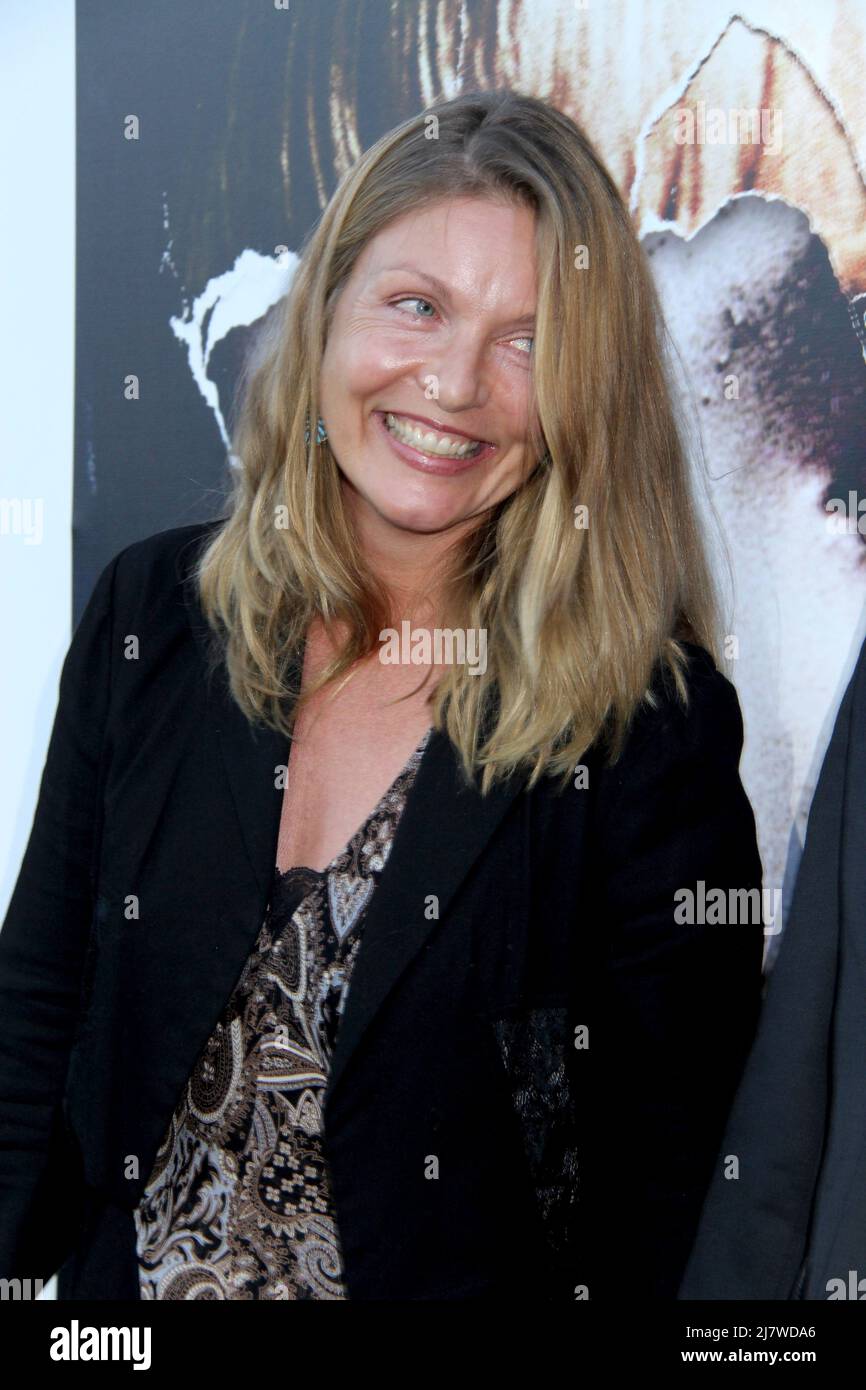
{"x":564,"y":1170}
{"x":793,"y":1224}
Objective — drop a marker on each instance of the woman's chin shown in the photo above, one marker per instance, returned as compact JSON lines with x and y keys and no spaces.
{"x":425,"y":521}
{"x":422,"y":518}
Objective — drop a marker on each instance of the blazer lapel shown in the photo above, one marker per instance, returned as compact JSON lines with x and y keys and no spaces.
{"x":250,"y":756}
{"x":443,"y":829}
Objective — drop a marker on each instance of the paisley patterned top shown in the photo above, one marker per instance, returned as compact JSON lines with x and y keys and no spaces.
{"x":239,"y":1203}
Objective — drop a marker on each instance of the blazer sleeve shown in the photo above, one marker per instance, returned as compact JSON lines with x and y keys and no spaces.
{"x":43,"y":944}
{"x":680,"y":1000}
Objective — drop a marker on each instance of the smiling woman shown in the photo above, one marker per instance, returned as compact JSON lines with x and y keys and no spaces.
{"x":410,"y":1011}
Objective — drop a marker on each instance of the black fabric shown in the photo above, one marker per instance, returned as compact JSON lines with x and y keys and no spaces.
{"x":103,"y":1262}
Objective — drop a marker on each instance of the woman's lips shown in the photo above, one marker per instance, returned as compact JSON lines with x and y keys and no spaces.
{"x":426,"y":463}
{"x":436,"y":426}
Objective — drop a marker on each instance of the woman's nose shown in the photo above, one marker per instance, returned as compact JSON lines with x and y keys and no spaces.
{"x":458,"y":376}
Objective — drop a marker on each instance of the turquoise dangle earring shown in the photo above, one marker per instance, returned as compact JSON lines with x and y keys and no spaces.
{"x":321,"y":432}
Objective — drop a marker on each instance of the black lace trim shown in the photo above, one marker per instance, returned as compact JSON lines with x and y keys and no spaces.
{"x":532,"y":1045}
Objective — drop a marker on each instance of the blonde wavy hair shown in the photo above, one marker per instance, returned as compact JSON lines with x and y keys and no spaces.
{"x":577,"y":617}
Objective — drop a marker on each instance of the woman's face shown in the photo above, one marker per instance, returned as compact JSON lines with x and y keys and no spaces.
{"x":433,"y":328}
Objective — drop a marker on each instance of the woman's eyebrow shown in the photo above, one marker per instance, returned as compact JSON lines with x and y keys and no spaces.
{"x":438,"y":285}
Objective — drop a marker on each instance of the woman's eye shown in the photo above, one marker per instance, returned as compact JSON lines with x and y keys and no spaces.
{"x":414,"y":299}
{"x":417,"y":299}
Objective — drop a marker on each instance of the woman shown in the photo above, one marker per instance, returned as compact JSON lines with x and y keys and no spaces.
{"x":348,"y":956}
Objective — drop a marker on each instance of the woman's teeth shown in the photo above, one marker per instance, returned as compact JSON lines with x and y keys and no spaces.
{"x":428,"y":441}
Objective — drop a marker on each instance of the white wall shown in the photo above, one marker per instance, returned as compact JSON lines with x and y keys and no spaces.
{"x":37,"y":299}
